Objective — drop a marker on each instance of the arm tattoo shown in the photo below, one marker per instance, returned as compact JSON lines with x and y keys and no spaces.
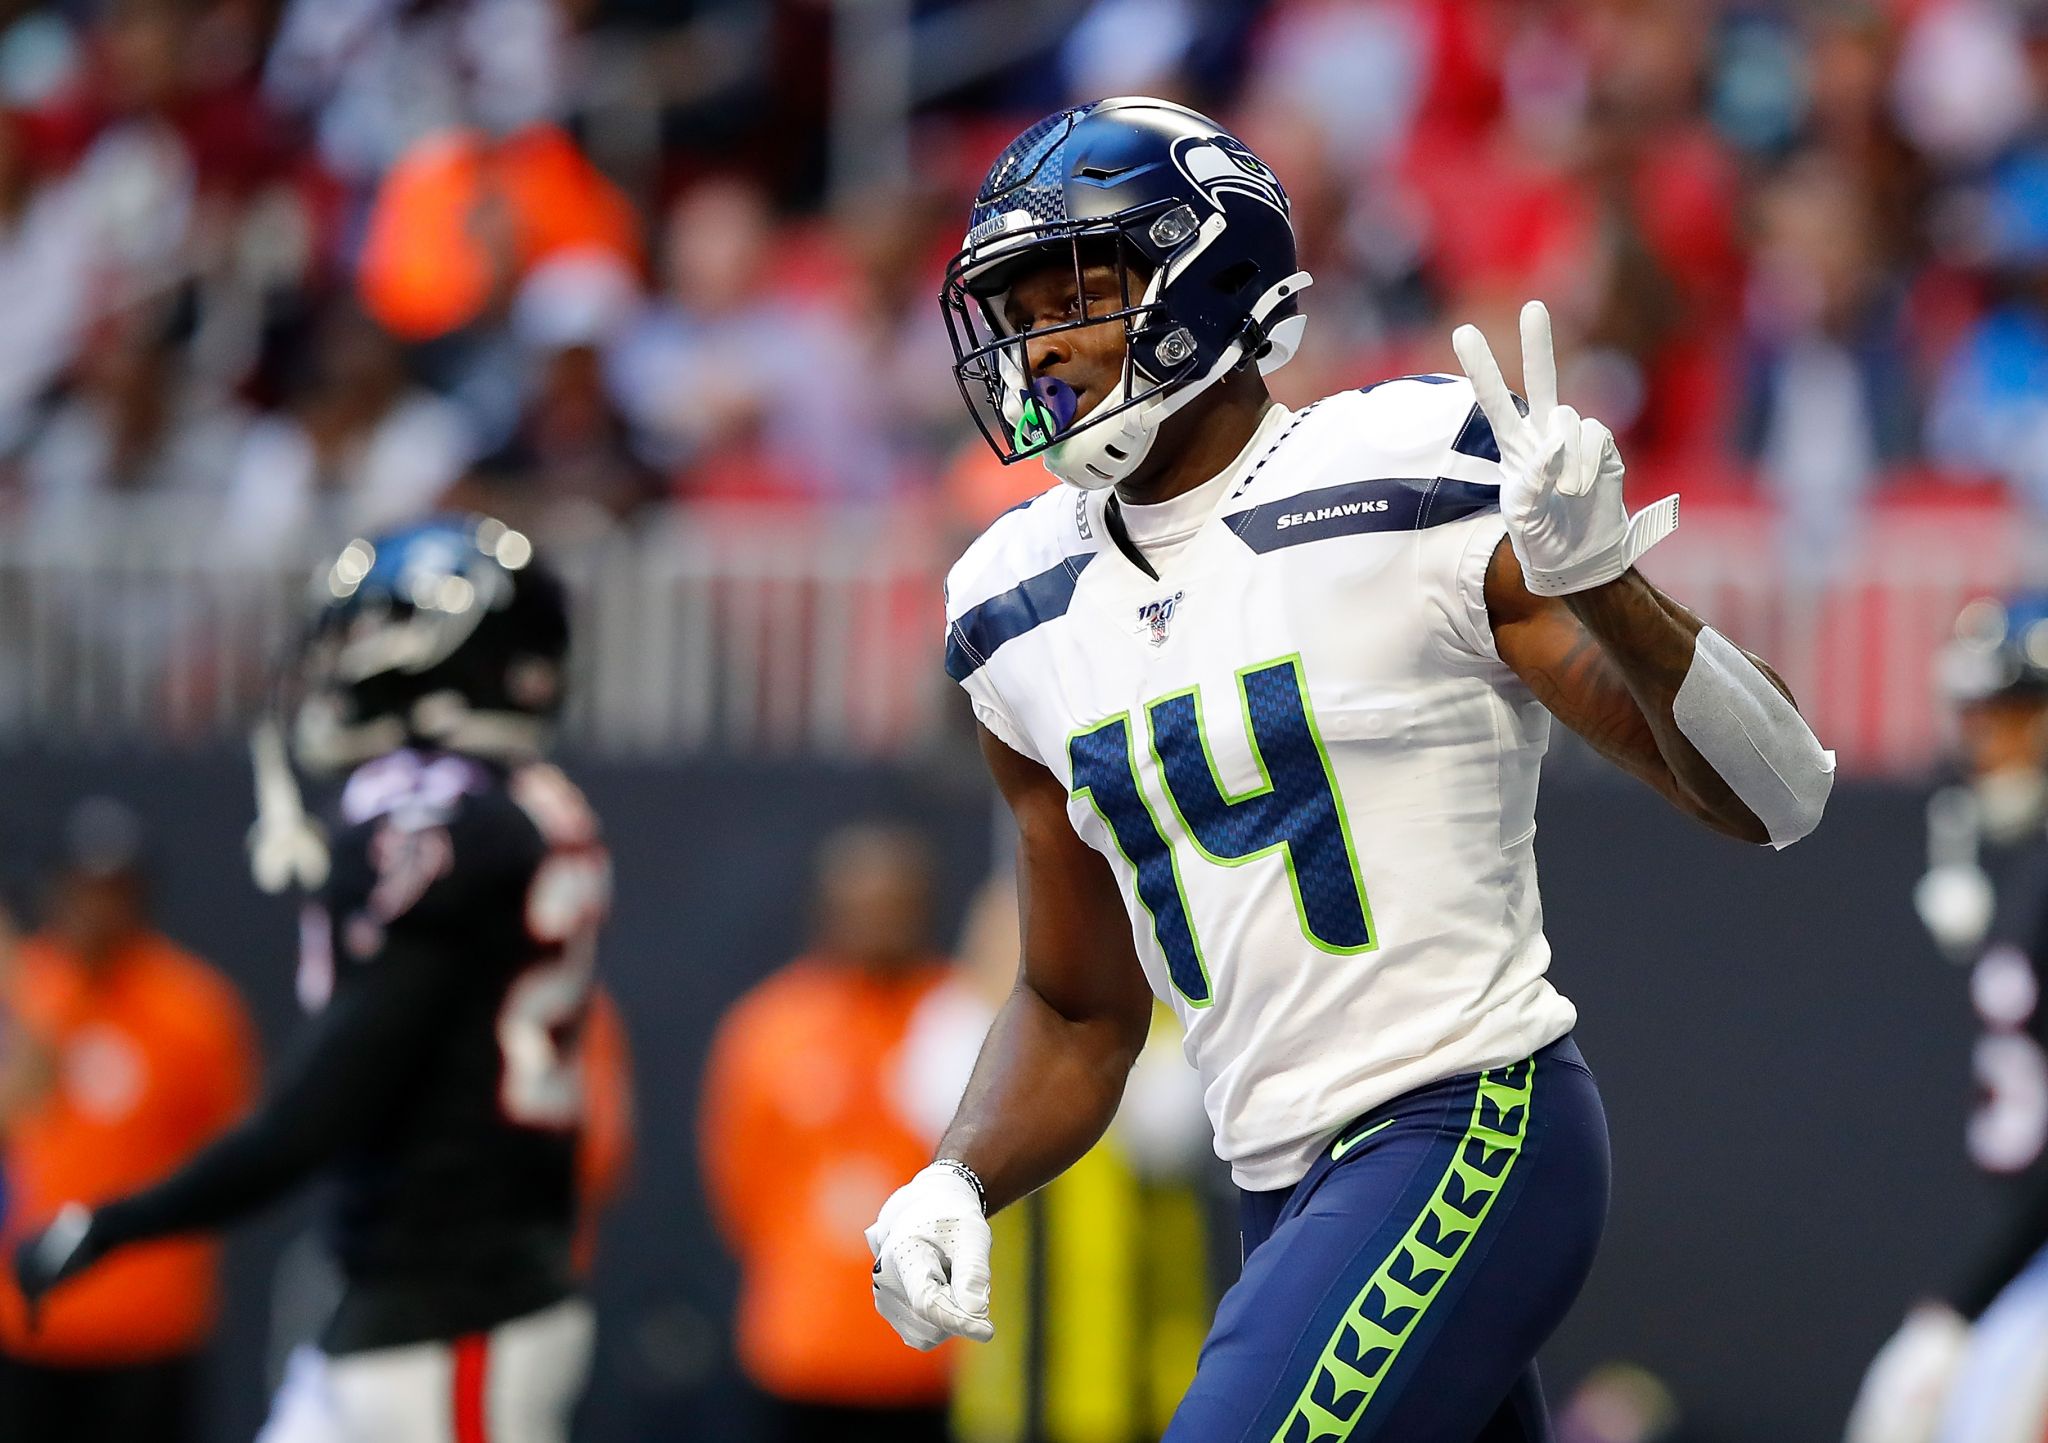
{"x":1584,"y":690}
{"x":1608,"y":662}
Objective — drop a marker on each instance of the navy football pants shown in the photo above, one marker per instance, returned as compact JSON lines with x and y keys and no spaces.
{"x":1398,"y":1293}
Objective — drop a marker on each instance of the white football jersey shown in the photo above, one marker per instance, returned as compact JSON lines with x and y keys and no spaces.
{"x":1301,"y":754}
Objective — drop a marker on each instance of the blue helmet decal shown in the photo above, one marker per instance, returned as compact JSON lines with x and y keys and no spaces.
{"x":1222,"y":164}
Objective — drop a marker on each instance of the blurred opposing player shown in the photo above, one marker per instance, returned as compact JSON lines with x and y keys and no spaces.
{"x":448,"y":967}
{"x":1267,"y":693}
{"x":1972,"y":1366}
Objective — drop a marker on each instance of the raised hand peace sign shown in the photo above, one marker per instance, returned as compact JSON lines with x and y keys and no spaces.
{"x":1561,"y":493}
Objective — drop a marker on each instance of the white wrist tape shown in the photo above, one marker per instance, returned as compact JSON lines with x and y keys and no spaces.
{"x":1757,"y":741}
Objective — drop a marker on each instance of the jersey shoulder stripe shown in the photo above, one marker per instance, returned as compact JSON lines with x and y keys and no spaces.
{"x":1028,"y":539}
{"x":1476,"y":437}
{"x":1018,"y":575}
{"x":976,"y":634}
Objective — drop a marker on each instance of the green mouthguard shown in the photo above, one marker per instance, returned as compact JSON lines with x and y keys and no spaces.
{"x":1033,"y":425}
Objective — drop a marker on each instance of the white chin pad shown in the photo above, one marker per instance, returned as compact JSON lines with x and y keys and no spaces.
{"x":1754,"y":738}
{"x":1099,"y":456}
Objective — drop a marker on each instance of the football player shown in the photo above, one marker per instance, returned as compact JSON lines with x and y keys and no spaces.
{"x":1972,"y":1365}
{"x":447,"y":965}
{"x":1267,"y":691}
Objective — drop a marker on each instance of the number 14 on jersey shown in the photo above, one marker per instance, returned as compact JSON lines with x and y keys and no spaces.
{"x":1296,"y":811}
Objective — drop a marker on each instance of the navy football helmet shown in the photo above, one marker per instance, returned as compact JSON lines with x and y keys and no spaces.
{"x":446,"y":633}
{"x":1999,"y":649}
{"x":1166,"y":193}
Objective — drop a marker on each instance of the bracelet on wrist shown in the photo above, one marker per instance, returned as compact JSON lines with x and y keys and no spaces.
{"x":961,"y":1169}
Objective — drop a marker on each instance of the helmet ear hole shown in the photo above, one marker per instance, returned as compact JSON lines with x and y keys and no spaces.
{"x":1232,"y":280}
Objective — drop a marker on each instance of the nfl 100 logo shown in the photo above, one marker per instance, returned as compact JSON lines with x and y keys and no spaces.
{"x":1158,"y":616}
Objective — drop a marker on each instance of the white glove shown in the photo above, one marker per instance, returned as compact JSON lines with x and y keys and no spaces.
{"x":1561,"y":495}
{"x":931,"y":1247}
{"x":1903,"y":1394}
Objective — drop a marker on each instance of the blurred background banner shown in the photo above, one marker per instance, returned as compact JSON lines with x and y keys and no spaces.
{"x":655,"y":281}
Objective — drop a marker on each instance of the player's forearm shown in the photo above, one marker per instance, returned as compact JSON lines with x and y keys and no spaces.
{"x":249,"y":1168}
{"x":1650,"y":640}
{"x":1043,"y":1092}
{"x":345,"y":1075}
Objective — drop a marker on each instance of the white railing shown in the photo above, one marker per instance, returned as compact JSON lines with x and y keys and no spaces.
{"x":748,"y":630}
{"x":753,"y":630}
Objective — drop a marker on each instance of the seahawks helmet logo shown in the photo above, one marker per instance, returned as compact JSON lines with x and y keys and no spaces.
{"x":1219,"y":165}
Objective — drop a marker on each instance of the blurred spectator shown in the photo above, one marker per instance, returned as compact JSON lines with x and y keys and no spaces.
{"x":1963,"y":89}
{"x":1829,"y":401}
{"x":135,"y":424}
{"x":1990,"y":405}
{"x":805,"y":1131}
{"x":184,"y":72}
{"x":1845,"y":69}
{"x":47,"y":249}
{"x":463,"y":216}
{"x":24,"y":1061}
{"x":358,"y":448}
{"x":153,"y":1055}
{"x":1129,"y":47}
{"x":39,"y":54}
{"x":377,"y":76}
{"x":1362,"y":72}
{"x":746,"y":390}
{"x":569,"y":469}
{"x":896,"y":242}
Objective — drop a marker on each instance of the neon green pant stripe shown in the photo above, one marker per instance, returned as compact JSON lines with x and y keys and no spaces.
{"x":1387,"y":1310}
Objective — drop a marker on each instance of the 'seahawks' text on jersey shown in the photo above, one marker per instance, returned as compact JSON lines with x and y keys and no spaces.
{"x":457,"y":1211}
{"x":1307,"y":765}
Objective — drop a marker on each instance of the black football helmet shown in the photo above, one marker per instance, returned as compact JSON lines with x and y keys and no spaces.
{"x":446,"y":633}
{"x":1153,"y":185}
{"x":1999,"y":649}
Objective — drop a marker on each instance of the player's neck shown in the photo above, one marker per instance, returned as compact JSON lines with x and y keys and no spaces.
{"x":1196,"y":445}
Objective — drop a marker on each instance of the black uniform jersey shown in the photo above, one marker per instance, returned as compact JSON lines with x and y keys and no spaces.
{"x":447,"y":967}
{"x":2008,"y":1127}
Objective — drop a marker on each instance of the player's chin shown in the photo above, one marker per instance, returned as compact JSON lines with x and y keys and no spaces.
{"x":1089,"y":399}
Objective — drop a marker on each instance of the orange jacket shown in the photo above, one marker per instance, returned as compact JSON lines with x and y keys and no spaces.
{"x":604,"y":1154}
{"x":803,"y":1140}
{"x":153,"y":1059}
{"x":462,"y":216}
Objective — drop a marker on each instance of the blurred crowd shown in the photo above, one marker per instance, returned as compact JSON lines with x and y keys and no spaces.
{"x":317,"y":265}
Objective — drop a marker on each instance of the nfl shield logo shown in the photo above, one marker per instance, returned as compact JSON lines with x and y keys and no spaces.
{"x":1158,"y":615}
